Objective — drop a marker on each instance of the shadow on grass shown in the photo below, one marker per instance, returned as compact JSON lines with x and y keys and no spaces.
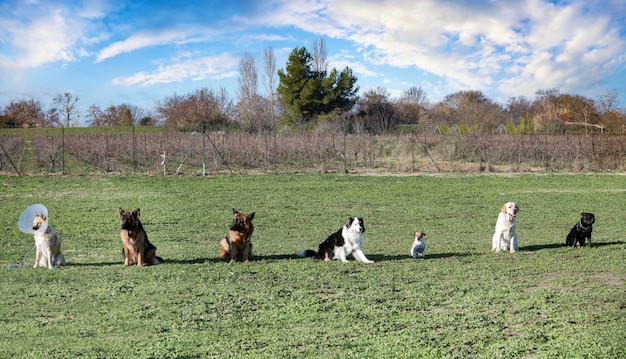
{"x":540,"y":247}
{"x":559,"y":245}
{"x":275,"y":257}
{"x":602,"y":244}
{"x":254,"y":258}
{"x":388,"y":258}
{"x":92,"y":264}
{"x":121,"y":262}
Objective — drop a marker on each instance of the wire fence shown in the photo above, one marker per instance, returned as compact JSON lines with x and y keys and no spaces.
{"x":214,"y":153}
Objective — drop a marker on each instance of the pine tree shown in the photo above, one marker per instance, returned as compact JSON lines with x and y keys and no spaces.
{"x":306,"y":93}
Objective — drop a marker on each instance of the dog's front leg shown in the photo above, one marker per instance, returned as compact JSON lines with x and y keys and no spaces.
{"x":360,"y":256}
{"x":513,"y":244}
{"x":126,"y":257}
{"x":234,"y":252}
{"x":49,"y":260}
{"x":246,"y":252}
{"x":340,"y":253}
{"x":37,"y":258}
{"x":589,"y":240}
{"x":495,"y":246}
{"x":497,"y":239}
{"x":140,"y":259}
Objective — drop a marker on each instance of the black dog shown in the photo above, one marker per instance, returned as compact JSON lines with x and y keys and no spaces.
{"x":581,"y":231}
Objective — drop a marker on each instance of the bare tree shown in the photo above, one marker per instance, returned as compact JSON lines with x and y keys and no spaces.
{"x":412,"y":105}
{"x":519,"y":111}
{"x":95,"y":116}
{"x":122,"y":115}
{"x":67,"y":105}
{"x":130,"y":115}
{"x":608,"y":101}
{"x":474,"y":109}
{"x":319,"y":57}
{"x":376,"y":111}
{"x":608,"y":108}
{"x":204,"y":106}
{"x":250,"y":116}
{"x":24,"y":113}
{"x":270,"y":81}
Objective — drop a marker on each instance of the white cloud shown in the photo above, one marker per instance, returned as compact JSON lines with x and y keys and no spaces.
{"x":217,"y":67}
{"x":340,"y":62}
{"x":37,"y":33}
{"x":146,"y":39}
{"x":506,"y":46}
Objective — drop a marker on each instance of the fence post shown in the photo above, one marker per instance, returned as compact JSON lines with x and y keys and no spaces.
{"x":412,"y":154}
{"x":62,"y":150}
{"x":203,"y":153}
{"x":133,"y":128}
{"x":345,"y":154}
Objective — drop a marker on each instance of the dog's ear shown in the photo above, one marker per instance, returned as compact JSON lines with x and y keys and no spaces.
{"x":503,"y":210}
{"x":250,"y":216}
{"x":121,"y":211}
{"x":516,"y":208}
{"x":235,"y":211}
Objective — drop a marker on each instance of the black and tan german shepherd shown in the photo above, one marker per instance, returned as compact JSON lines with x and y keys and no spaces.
{"x":137,"y":249}
{"x":238,"y":242}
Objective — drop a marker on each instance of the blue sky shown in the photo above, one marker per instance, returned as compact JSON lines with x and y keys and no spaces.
{"x":138,"y":52}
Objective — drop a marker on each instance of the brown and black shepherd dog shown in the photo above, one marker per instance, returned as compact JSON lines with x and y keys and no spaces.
{"x":238,"y":240}
{"x":136,"y":247}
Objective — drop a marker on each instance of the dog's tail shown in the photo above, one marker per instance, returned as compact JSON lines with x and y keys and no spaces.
{"x":307,"y":253}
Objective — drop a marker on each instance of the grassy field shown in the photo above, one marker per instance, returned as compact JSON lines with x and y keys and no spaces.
{"x":462,"y":301}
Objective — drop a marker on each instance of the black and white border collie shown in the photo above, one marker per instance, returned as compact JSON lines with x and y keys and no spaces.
{"x":347,"y":240}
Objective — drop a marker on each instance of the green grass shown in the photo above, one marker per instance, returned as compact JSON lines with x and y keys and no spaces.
{"x":462,"y":301}
{"x":28,"y":133}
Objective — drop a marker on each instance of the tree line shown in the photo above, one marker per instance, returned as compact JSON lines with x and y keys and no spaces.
{"x":306,"y":95}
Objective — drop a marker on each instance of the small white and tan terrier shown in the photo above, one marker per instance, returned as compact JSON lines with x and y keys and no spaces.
{"x":418,"y":250}
{"x":48,"y":245}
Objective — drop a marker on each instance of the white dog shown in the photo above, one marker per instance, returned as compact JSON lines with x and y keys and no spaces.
{"x":418,"y":249}
{"x":505,"y":236}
